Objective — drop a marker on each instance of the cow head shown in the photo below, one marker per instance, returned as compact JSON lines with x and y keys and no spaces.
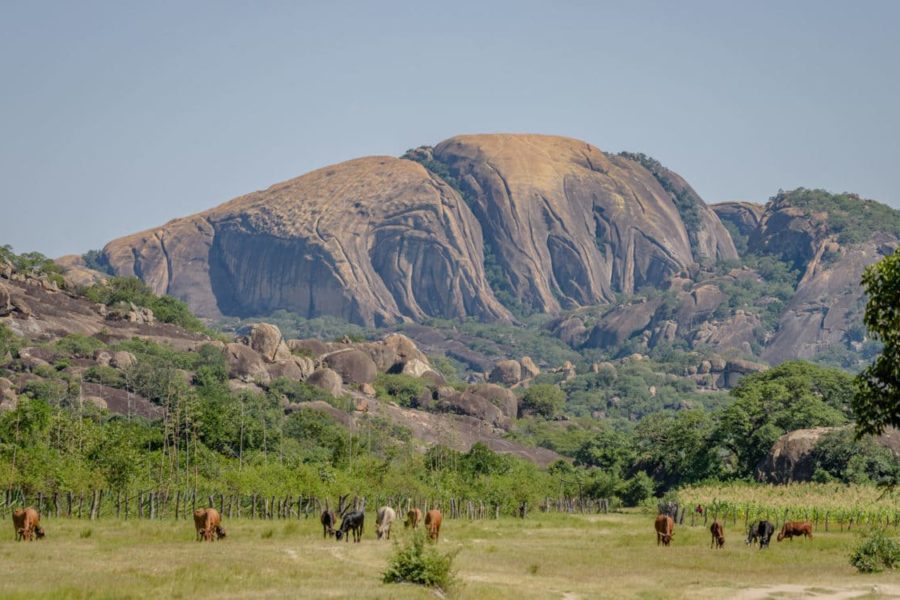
{"x":39,"y":532}
{"x":338,"y":534}
{"x":220,"y":532}
{"x":780,"y":535}
{"x":667,"y":538}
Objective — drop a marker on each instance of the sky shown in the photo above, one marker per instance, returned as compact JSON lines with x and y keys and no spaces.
{"x":118,"y":116}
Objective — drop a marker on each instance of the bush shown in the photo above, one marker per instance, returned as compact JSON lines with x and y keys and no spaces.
{"x":876,"y":553}
{"x":79,"y":346}
{"x":544,"y":399}
{"x":637,"y":489}
{"x":405,"y":390}
{"x":105,"y":375}
{"x":417,"y":563}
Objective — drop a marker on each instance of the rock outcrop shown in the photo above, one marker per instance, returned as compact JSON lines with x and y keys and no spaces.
{"x":373,"y":241}
{"x":791,"y":457}
{"x":379,"y":240}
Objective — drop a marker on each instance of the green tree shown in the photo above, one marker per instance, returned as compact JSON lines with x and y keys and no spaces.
{"x":637,"y":489}
{"x":544,"y":399}
{"x":877,"y":401}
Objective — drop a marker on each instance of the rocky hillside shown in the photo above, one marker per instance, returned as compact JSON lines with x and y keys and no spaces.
{"x":60,"y":338}
{"x":377,"y":240}
{"x":621,"y":251}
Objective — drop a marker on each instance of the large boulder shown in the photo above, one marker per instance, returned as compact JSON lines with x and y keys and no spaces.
{"x":267,"y":340}
{"x":354,"y":366}
{"x":122,"y":360}
{"x":311,"y":347}
{"x":245,"y":364}
{"x":473,"y":405}
{"x":790,"y":459}
{"x":507,"y":372}
{"x":328,"y":380}
{"x":501,"y":397}
{"x":8,"y":398}
{"x":6,"y":306}
{"x":393,"y":352}
{"x":529,"y":369}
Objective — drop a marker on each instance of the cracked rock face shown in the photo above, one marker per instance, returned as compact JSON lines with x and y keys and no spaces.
{"x":380,"y":240}
{"x":373,"y":240}
{"x":571,"y":225}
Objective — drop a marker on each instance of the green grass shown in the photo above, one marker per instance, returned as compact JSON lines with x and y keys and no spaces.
{"x":547,"y":556}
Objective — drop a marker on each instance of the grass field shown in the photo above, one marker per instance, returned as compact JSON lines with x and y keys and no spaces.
{"x":545,"y":556}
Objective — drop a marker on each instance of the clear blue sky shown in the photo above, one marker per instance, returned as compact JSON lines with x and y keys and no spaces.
{"x":118,"y":116}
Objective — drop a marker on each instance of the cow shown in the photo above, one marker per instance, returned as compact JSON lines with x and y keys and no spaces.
{"x":718,"y":535}
{"x":328,"y":520}
{"x":384,"y":518}
{"x":27,"y":523}
{"x":760,"y":532}
{"x":352,"y":522}
{"x":433,"y":520}
{"x":413,"y":517}
{"x":795,"y":528}
{"x":665,"y":529}
{"x":208,"y":525}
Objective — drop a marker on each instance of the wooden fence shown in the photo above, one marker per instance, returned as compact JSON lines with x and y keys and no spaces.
{"x":180,"y":504}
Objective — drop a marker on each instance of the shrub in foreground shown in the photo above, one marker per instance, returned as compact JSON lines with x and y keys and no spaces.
{"x":876,"y":553}
{"x":418,"y":562}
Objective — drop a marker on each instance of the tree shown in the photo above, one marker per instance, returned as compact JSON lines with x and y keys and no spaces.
{"x":637,"y":489}
{"x":544,"y":399}
{"x":877,"y":401}
{"x":793,"y":395}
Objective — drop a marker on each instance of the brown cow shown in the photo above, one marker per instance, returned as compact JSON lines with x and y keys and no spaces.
{"x":27,"y":523}
{"x":795,"y":528}
{"x":718,"y":535}
{"x":665,"y":529}
{"x":413,"y":517}
{"x":433,"y":520}
{"x":208,"y":524}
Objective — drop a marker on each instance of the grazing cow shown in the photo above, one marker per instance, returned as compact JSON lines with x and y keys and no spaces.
{"x":433,"y":520}
{"x":412,"y":518}
{"x":328,"y":521}
{"x":795,"y":528}
{"x":351,"y":522}
{"x":718,"y":535}
{"x":665,"y":529}
{"x":384,"y":518}
{"x":208,"y":524}
{"x":27,"y":523}
{"x":760,"y":532}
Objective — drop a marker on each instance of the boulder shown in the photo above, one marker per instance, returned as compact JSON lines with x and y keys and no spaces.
{"x":396,"y":349}
{"x":368,"y":389}
{"x":328,"y":380}
{"x":790,"y":458}
{"x":267,"y":340}
{"x":102,"y":358}
{"x":8,"y":398}
{"x":245,"y":364}
{"x":507,"y":372}
{"x":415,"y":367}
{"x":473,"y":405}
{"x":501,"y":397}
{"x":123,"y":360}
{"x":6,"y":306}
{"x":287,"y":369}
{"x":312,"y":347}
{"x":529,"y":369}
{"x":31,"y":360}
{"x":354,"y":366}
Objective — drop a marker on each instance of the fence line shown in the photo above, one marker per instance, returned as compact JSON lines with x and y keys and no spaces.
{"x":181,"y":503}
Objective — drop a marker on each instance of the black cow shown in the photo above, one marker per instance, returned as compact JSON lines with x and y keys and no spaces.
{"x":760,"y":532}
{"x":328,"y":521}
{"x":352,"y":522}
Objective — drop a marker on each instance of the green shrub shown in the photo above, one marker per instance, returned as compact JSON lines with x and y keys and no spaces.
{"x":637,"y":489}
{"x":876,"y":553}
{"x":405,"y":390}
{"x":79,"y":346}
{"x":415,"y":562}
{"x":544,"y":399}
{"x":104,"y":375}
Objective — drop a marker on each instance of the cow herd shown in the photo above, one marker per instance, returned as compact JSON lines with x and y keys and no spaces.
{"x":759,"y":532}
{"x":208,"y":526}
